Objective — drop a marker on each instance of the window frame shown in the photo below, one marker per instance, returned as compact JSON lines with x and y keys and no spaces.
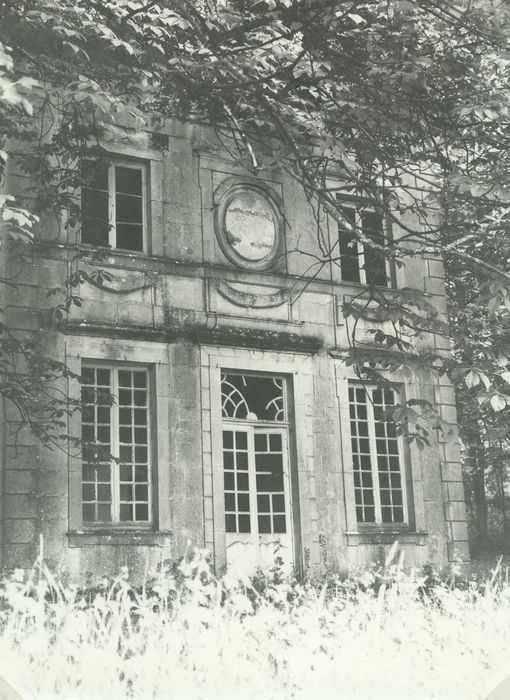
{"x":115,"y":523}
{"x":112,"y":164}
{"x":404,"y":466}
{"x":360,"y":204}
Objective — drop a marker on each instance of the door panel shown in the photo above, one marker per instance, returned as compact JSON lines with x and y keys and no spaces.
{"x":257,"y":497}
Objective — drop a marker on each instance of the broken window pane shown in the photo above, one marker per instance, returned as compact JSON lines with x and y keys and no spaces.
{"x":253,"y":397}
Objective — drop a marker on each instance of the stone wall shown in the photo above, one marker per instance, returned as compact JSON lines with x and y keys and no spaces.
{"x":184,"y":310}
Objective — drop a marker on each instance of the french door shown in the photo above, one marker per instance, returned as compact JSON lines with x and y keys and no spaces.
{"x":257,"y":494}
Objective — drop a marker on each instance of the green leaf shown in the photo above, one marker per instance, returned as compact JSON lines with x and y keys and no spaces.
{"x":472,"y":379}
{"x":498,"y":402}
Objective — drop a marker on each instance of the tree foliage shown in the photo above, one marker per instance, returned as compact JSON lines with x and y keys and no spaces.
{"x":407,"y":97}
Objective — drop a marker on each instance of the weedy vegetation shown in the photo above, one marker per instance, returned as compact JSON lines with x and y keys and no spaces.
{"x":186,"y":634}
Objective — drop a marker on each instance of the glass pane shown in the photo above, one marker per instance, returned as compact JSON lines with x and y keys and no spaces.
{"x":139,"y":380}
{"x":263,"y":504}
{"x":128,"y":209}
{"x":141,"y":512}
{"x":126,"y":492}
{"x":126,"y":472}
{"x":242,"y":481}
{"x":140,"y":416}
{"x":95,"y":175}
{"x":125,"y":378}
{"x":94,"y":231}
{"x":140,"y":473}
{"x":128,"y":180}
{"x":250,"y":227}
{"x":278,"y":503}
{"x":375,"y":261}
{"x":141,"y":454}
{"x":264,"y":522}
{"x":140,"y":397}
{"x":279,"y":524}
{"x":230,"y":502}
{"x":104,"y":512}
{"x":244,"y":523}
{"x":94,"y":204}
{"x":126,"y":512}
{"x":88,"y":513}
{"x":129,"y":236}
{"x":125,"y":416}
{"x":349,"y":255}
{"x":243,"y":502}
{"x":88,"y":492}
{"x":230,"y":522}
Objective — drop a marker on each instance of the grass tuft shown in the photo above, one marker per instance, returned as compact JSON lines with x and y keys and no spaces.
{"x":188,"y":635}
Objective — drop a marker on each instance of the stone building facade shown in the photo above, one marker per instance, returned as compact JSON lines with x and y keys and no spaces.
{"x":237,"y":425}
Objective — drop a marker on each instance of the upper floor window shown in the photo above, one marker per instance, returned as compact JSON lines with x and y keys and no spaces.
{"x":116,"y":465}
{"x":113,"y":205}
{"x":362,"y":263}
{"x":379,"y":483}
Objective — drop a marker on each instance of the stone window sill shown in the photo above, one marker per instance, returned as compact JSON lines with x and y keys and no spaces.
{"x":376,"y":536}
{"x":116,"y":537}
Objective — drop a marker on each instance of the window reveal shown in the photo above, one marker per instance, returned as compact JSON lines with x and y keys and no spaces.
{"x":113,"y":205}
{"x":115,"y":435}
{"x":377,"y":463}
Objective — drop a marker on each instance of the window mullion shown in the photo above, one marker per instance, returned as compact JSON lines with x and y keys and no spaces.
{"x":144,"y":209}
{"x":361,"y":248}
{"x":287,"y":486}
{"x":397,"y":398}
{"x":373,"y":455}
{"x":386,"y":240}
{"x":115,"y":448}
{"x":112,"y":234}
{"x":252,"y":481}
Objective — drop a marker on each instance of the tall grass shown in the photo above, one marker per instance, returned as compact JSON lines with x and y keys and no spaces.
{"x":189,"y":636}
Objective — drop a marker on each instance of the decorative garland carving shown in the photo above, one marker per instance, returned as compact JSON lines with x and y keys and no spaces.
{"x":123,"y":285}
{"x":254,"y":300}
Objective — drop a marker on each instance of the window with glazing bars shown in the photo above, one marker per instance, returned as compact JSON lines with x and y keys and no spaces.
{"x":362,"y":263}
{"x":116,"y":469}
{"x":379,"y":484}
{"x":113,"y":205}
